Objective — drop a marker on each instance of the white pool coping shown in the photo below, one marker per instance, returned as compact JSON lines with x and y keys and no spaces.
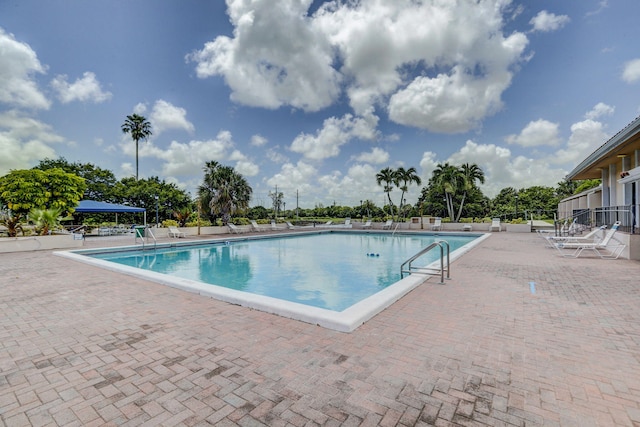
{"x":344,"y":321}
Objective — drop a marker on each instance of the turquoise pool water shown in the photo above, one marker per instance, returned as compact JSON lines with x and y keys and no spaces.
{"x":332,"y":271}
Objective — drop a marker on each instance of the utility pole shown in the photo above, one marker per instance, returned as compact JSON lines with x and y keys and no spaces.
{"x":297,"y":211}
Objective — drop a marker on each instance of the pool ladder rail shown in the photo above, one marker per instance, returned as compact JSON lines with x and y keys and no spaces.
{"x":147,"y":233}
{"x":423,"y":270}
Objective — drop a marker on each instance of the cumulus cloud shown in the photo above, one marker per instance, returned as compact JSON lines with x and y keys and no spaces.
{"x":258,"y":140}
{"x":536,"y":133}
{"x":85,"y":89}
{"x":441,"y":66}
{"x":275,"y":57}
{"x":335,"y":132}
{"x":546,"y":22}
{"x":19,"y":65}
{"x":631,"y":71}
{"x":182,"y":159}
{"x":358,"y":183}
{"x":586,"y":136}
{"x":165,"y":116}
{"x":24,"y":141}
{"x":294,"y":177}
{"x":502,"y":169}
{"x":376,"y":156}
{"x":600,"y":110}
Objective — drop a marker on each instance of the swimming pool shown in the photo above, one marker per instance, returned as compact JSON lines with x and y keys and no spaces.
{"x":329,"y":278}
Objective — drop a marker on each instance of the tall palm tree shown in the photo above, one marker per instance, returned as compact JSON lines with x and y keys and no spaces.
{"x":388,"y":177}
{"x":406,"y":177}
{"x":449,"y":178}
{"x":224,"y":190}
{"x":139,"y":128}
{"x":470,"y":174}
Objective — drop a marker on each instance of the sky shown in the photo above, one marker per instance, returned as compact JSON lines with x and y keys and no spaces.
{"x":314,"y":98}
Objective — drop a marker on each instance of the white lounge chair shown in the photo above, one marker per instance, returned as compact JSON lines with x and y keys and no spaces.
{"x":387,"y":225}
{"x":607,"y":248}
{"x":235,"y":229}
{"x":275,"y":226}
{"x":467,"y":227}
{"x":256,"y":227}
{"x":367,"y":224}
{"x":593,"y":236}
{"x":495,"y":225}
{"x":437,"y":224}
{"x":175,"y":232}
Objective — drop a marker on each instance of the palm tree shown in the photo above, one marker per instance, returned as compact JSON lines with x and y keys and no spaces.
{"x":449,"y":178}
{"x":224,"y":190}
{"x":139,"y":128}
{"x":46,"y":220}
{"x":470,"y":174}
{"x":406,"y":176}
{"x":388,"y":177}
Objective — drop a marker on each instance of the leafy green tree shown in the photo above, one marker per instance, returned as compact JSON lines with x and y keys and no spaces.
{"x":276,"y":201}
{"x":100,"y":182}
{"x":387,"y":176}
{"x":139,"y":128}
{"x":404,"y":177}
{"x":585,"y":185}
{"x":449,"y":179}
{"x":470,"y":174}
{"x":142,"y":193}
{"x":13,"y":222}
{"x":26,"y":189}
{"x":45,"y":220}
{"x":224,"y":191}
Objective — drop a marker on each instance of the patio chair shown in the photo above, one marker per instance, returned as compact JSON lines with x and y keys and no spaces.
{"x":175,"y":232}
{"x":591,"y":236}
{"x":437,"y":224}
{"x":235,"y":229}
{"x":495,"y":225}
{"x":275,"y":226}
{"x":467,"y":227}
{"x":367,"y":224}
{"x":607,"y":248}
{"x":256,"y":227}
{"x":387,"y":225}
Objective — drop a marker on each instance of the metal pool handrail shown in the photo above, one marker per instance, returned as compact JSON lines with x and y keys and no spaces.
{"x":441,"y":244}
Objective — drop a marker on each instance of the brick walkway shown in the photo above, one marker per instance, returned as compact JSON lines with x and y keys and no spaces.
{"x":518,"y":337}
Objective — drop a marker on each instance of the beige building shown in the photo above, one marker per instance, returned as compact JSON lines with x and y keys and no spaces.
{"x":617,"y":164}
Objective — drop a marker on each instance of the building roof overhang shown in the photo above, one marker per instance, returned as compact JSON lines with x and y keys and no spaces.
{"x":622,"y":144}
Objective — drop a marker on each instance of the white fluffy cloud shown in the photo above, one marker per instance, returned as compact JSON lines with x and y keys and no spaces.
{"x":546,"y":22}
{"x":85,"y":89}
{"x":18,"y":67}
{"x":165,"y":116}
{"x":441,"y":66}
{"x":631,"y":71}
{"x":600,"y":110}
{"x":376,"y":156}
{"x":258,"y":140}
{"x":536,"y":133}
{"x":335,"y":132}
{"x":24,"y":141}
{"x":275,"y":57}
{"x":585,"y":137}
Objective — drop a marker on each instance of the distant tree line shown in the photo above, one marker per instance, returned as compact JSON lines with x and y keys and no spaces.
{"x":51,"y":190}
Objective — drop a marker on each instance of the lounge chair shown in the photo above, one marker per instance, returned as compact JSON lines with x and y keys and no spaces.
{"x":607,"y":248}
{"x":437,"y":224}
{"x":235,"y":229}
{"x":256,"y":227}
{"x":467,"y":227}
{"x":387,"y":225}
{"x":366,"y":225}
{"x":495,"y":225}
{"x":174,"y":232}
{"x":591,"y":236}
{"x":275,"y":226}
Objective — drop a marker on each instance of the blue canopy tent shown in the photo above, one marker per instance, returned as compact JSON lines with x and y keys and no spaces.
{"x":93,"y":206}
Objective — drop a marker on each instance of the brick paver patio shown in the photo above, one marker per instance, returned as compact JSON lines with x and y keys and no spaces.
{"x":518,"y":337}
